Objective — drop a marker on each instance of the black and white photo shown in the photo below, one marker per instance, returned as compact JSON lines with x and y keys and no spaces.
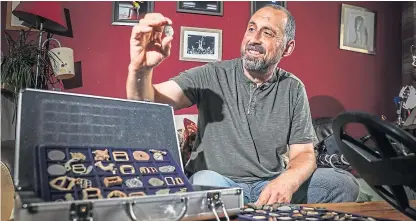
{"x":201,"y":7}
{"x":357,"y":29}
{"x":200,"y":44}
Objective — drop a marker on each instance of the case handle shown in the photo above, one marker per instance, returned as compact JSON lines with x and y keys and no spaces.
{"x":181,"y":215}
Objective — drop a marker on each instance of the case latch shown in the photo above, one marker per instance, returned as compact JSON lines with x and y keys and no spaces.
{"x":81,"y":212}
{"x":214,"y":201}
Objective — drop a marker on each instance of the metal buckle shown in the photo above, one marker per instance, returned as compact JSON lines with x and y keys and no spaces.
{"x":81,"y":212}
{"x":214,"y":201}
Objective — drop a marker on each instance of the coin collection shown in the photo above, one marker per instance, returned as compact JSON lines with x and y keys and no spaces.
{"x":97,"y":173}
{"x":277,"y":212}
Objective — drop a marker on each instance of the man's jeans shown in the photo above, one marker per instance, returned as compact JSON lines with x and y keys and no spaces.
{"x":324,"y":186}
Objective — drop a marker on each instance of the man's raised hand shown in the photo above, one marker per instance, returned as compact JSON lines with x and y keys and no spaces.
{"x":147,"y":48}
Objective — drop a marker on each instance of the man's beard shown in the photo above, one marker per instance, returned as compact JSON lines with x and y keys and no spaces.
{"x":259,"y":65}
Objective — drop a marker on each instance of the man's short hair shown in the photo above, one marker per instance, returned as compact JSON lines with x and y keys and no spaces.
{"x":290,"y":23}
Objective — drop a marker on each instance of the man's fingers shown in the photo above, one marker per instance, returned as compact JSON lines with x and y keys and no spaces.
{"x":166,"y":45}
{"x":274,"y":197}
{"x":263,"y":198}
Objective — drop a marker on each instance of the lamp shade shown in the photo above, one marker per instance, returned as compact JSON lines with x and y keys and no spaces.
{"x":51,"y":14}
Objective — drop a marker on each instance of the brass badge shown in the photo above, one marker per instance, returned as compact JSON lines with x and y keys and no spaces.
{"x":101,"y":155}
{"x":91,"y":193}
{"x":63,"y":183}
{"x":113,"y":181}
{"x":129,"y":168}
{"x":120,"y":156}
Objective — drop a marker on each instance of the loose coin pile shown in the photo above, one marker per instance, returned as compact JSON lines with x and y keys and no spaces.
{"x":252,"y":212}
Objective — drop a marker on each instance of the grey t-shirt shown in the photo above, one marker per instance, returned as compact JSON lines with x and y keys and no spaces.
{"x":243,"y":130}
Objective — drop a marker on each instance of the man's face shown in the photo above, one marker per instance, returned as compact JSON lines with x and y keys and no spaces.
{"x":263,"y":45}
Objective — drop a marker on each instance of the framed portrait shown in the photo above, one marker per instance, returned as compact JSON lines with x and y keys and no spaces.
{"x":358,"y":29}
{"x":200,"y":44}
{"x":201,"y":7}
{"x":256,"y":5}
{"x":13,"y":22}
{"x":129,"y":13}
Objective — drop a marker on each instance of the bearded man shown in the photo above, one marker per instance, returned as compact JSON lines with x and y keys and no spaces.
{"x":250,"y":113}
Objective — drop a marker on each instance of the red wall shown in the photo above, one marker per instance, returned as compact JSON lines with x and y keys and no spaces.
{"x":336,"y":80}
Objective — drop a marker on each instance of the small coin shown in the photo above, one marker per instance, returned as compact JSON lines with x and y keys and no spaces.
{"x":284,"y":208}
{"x":56,"y":155}
{"x":166,"y":169}
{"x":284,"y":218}
{"x":249,"y":210}
{"x":56,"y":170}
{"x":168,"y":30}
{"x":156,"y":182}
{"x":141,"y":155}
{"x":259,"y":217}
{"x":162,"y":191}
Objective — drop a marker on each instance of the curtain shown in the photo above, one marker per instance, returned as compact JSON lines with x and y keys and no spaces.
{"x":408,"y":39}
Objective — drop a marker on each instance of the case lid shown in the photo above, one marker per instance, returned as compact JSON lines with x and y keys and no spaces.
{"x":61,"y":118}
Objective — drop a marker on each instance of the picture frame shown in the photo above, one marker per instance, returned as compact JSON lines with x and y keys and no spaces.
{"x":125,"y":13}
{"x":256,"y":5}
{"x":200,"y":44}
{"x":215,"y":8}
{"x":358,"y":29}
{"x":13,"y":23}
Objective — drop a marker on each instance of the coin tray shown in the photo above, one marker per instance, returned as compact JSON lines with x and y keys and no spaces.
{"x":297,"y":212}
{"x":144,"y":170}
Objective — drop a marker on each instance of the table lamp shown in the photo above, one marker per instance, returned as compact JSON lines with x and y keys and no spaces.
{"x":42,"y":15}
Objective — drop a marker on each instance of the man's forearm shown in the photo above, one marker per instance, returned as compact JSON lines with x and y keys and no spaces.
{"x":300,"y":168}
{"x":139,"y":85}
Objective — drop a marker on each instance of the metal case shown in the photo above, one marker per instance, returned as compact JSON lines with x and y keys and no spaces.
{"x":62,"y":119}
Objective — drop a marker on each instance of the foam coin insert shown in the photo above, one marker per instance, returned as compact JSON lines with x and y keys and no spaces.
{"x":78,"y":173}
{"x":278,"y":211}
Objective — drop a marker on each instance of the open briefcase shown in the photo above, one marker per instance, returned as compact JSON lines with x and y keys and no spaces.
{"x":81,"y":157}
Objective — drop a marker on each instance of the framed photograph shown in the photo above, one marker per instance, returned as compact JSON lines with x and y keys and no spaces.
{"x":129,"y":13}
{"x":256,"y":5}
{"x":358,"y":29}
{"x":201,"y":7}
{"x":13,"y":22}
{"x":200,"y":44}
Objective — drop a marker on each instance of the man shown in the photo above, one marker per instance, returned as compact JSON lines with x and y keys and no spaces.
{"x":250,"y":112}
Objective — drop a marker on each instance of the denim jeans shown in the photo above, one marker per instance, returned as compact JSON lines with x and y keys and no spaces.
{"x":326,"y":185}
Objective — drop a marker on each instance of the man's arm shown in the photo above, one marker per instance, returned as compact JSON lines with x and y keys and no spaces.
{"x":139,"y":86}
{"x":302,"y":163}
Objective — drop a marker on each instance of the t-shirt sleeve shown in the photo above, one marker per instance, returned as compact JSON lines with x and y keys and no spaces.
{"x":194,"y":81}
{"x":302,"y":130}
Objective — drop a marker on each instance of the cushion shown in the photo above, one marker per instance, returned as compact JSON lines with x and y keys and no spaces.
{"x":186,"y":137}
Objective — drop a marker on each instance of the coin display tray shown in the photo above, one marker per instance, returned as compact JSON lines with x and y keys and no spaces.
{"x":297,"y":212}
{"x":144,"y":170}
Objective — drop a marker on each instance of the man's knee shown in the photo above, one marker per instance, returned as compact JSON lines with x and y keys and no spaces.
{"x":209,"y":178}
{"x":339,"y":185}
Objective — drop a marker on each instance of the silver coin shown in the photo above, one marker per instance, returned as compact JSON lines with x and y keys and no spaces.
{"x":56,"y":155}
{"x":158,"y":156}
{"x":135,"y":182}
{"x":162,"y":191}
{"x":156,"y":182}
{"x":284,"y":208}
{"x":259,"y":217}
{"x":168,"y":30}
{"x":56,"y":170}
{"x":166,"y":169}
